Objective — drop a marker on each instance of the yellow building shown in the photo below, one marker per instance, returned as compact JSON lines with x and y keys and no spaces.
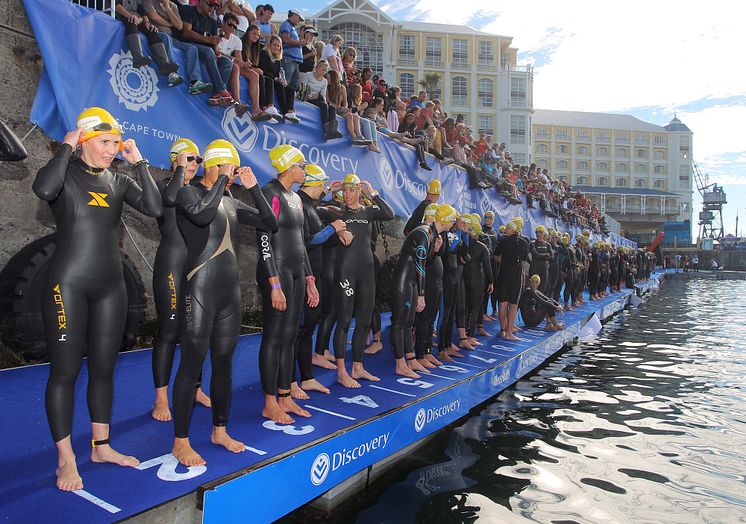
{"x":636,"y":172}
{"x":478,"y":73}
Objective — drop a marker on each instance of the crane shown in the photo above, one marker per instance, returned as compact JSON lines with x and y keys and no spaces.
{"x":713,"y":200}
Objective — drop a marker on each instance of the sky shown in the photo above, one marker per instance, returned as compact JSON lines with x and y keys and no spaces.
{"x":650,"y":59}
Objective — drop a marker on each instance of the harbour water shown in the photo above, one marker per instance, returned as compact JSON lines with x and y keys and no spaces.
{"x":646,"y":422}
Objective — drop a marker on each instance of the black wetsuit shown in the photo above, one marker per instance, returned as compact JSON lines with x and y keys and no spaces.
{"x":433,"y":291}
{"x":416,"y":218}
{"x":84,"y":300}
{"x":556,"y":266}
{"x":355,"y":279}
{"x":453,"y":273}
{"x":282,"y":254}
{"x":535,"y":306}
{"x":581,"y":277}
{"x":594,"y":272}
{"x":477,"y":278}
{"x":167,"y":271}
{"x":211,"y":308}
{"x":614,"y":271}
{"x":407,"y":284}
{"x":568,"y":294}
{"x":493,"y":237}
{"x":331,"y":250}
{"x":541,"y":258}
{"x":513,"y":250}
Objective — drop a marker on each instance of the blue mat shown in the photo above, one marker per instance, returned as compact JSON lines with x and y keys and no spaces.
{"x":28,"y":494}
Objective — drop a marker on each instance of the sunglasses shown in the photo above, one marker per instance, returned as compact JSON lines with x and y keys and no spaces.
{"x":234,"y":26}
{"x":197,"y":159}
{"x":104,"y":126}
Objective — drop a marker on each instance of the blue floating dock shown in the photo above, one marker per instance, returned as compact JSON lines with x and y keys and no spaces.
{"x":349,"y":431}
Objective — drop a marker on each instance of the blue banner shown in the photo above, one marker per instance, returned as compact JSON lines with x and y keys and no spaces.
{"x":87,"y":63}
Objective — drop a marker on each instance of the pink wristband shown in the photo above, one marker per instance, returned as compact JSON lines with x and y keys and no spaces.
{"x":276,"y":286}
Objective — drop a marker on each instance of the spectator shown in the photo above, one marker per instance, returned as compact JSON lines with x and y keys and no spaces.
{"x":267,"y":29}
{"x":382,"y":91}
{"x":263,"y":88}
{"x":367,"y":127}
{"x":244,"y":15}
{"x":419,"y":101}
{"x":317,"y":89}
{"x":292,"y":55}
{"x":435,"y":144}
{"x":270,"y":62}
{"x":331,"y":54}
{"x":228,"y":48}
{"x":128,"y":12}
{"x":164,"y":14}
{"x":336,"y":95}
{"x":199,"y":29}
{"x":395,"y":115}
{"x":351,"y":73}
{"x":376,"y":113}
{"x":308,"y":33}
{"x":318,"y":46}
{"x":408,"y":129}
{"x":367,"y":84}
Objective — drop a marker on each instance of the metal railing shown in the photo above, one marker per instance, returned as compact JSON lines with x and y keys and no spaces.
{"x":105,"y":6}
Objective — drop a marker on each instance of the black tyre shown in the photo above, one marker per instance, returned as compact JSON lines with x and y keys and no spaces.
{"x":383,"y":285}
{"x":21,"y":326}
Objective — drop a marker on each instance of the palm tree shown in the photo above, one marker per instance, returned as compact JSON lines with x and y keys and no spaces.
{"x":430,"y":83}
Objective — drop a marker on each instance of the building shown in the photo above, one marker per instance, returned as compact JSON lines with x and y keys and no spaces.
{"x":638,"y":173}
{"x":479,"y":77}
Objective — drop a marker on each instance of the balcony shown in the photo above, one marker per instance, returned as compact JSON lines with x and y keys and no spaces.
{"x":487,"y":67}
{"x":407,"y":60}
{"x":621,"y":140}
{"x":460,"y":66}
{"x":436,"y":63}
{"x":603,"y":139}
{"x":510,"y":68}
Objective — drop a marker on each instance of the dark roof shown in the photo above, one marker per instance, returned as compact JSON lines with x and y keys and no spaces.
{"x":623,"y":191}
{"x":676,"y":125}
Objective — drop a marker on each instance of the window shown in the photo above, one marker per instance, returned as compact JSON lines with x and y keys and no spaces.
{"x":641,"y":168}
{"x":659,"y":154}
{"x":684,"y":173}
{"x":542,"y":148}
{"x":582,"y":180}
{"x":435,"y":91}
{"x":369,"y":44}
{"x":563,"y":164}
{"x":460,"y":51}
{"x":583,"y":135}
{"x":621,"y":182}
{"x":518,"y":129}
{"x":562,"y":149}
{"x":563,"y":179}
{"x":622,"y":138}
{"x":486,"y":123}
{"x":602,"y":136}
{"x":485,"y":92}
{"x":563,"y":134}
{"x":622,"y":167}
{"x":485,"y":52}
{"x":519,"y":158}
{"x":660,"y":184}
{"x":602,"y":151}
{"x":582,"y":165}
{"x":659,"y":169}
{"x":621,"y":151}
{"x":659,"y":140}
{"x":406,"y":82}
{"x":542,"y":163}
{"x":458,"y":91}
{"x":582,"y":150}
{"x":603,"y":181}
{"x":642,"y":153}
{"x":406,"y":49}
{"x":518,"y":91}
{"x":433,"y":50}
{"x":641,"y":182}
{"x":542,"y":132}
{"x":602,"y":166}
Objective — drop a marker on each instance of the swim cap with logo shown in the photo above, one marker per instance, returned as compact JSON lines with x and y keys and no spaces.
{"x":219,"y":152}
{"x":284,"y":157}
{"x":433,"y":187}
{"x":315,"y":176}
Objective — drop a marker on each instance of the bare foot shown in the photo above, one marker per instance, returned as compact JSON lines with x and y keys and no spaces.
{"x":403,"y":369}
{"x":203,"y":399}
{"x":445,"y":357}
{"x":288,"y":405}
{"x":328,"y":355}
{"x":319,"y":360}
{"x":465,"y":344}
{"x":474,"y":342}
{"x":105,"y":453}
{"x":185,"y":454}
{"x":160,"y":410}
{"x":425,"y":363}
{"x":68,"y":478}
{"x":513,"y":337}
{"x":360,"y":373}
{"x":483,"y":332}
{"x":434,"y":361}
{"x":416,"y":366}
{"x":487,"y":318}
{"x":297,"y":392}
{"x":273,"y":412}
{"x":347,"y":381}
{"x":220,"y":437}
{"x":374,"y":348}
{"x":314,"y":385}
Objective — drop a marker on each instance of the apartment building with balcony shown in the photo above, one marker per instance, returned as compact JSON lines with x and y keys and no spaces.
{"x":479,"y":77}
{"x":638,"y":173}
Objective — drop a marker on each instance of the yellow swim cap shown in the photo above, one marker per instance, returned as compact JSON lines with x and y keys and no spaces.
{"x":182,"y":145}
{"x":339,"y":197}
{"x":502,"y":228}
{"x":446,"y":213}
{"x":433,"y":187}
{"x":566,"y":239}
{"x":541,"y":229}
{"x":466,"y":218}
{"x":284,"y":157}
{"x":516,"y":224}
{"x":351,"y":181}
{"x":220,"y":152}
{"x":586,"y":233}
{"x":96,"y":121}
{"x":430,"y":210}
{"x":489,"y":214}
{"x":476,"y":227}
{"x":476,"y":218}
{"x":536,"y":278}
{"x":553,"y":232}
{"x":315,"y":176}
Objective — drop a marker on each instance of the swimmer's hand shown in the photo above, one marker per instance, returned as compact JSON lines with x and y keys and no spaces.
{"x":73,"y":137}
{"x":420,"y":304}
{"x":130,"y":152}
{"x":345,"y":237}
{"x":339,"y":226}
{"x":181,"y":159}
{"x":246,"y":176}
{"x":336,"y":186}
{"x":312,"y":293}
{"x":490,"y":289}
{"x":278,"y":299}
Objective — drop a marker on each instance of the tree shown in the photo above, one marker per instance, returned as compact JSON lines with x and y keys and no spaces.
{"x":431,"y":82}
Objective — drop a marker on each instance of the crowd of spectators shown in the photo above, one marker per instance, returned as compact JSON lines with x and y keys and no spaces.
{"x":287,"y":63}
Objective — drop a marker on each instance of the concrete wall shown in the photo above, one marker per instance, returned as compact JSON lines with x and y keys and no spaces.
{"x":23,"y":217}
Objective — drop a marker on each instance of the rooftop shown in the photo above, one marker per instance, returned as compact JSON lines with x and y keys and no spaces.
{"x":676,"y":125}
{"x":593,"y":120}
{"x":624,"y":191}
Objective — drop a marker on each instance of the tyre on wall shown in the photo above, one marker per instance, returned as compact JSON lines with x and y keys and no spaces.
{"x":21,"y":326}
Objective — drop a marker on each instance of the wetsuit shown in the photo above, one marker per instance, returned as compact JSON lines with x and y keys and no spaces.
{"x":407,"y":284}
{"x":614,"y":271}
{"x":330,"y":251}
{"x":167,"y":271}
{"x":477,"y":277}
{"x":84,"y":300}
{"x":556,"y":267}
{"x":354,"y":277}
{"x":282,"y":254}
{"x":211,"y":308}
{"x":423,"y":340}
{"x":570,"y":271}
{"x":416,"y":218}
{"x":492,"y":235}
{"x":541,"y":258}
{"x":581,"y":276}
{"x":375,"y":321}
{"x":460,"y":311}
{"x":513,"y":250}
{"x":535,"y":306}
{"x":452,"y":276}
{"x":594,"y":272}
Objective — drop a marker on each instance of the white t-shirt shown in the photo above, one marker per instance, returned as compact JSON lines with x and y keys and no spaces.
{"x":316,"y":88}
{"x":229,"y":45}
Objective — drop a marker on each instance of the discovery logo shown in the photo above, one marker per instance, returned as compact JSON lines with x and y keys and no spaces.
{"x":241,"y":131}
{"x":323,"y":464}
{"x":395,"y":179}
{"x":424,"y":417}
{"x":135,"y":87}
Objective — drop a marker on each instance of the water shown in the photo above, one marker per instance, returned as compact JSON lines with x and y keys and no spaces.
{"x":646,"y":423}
